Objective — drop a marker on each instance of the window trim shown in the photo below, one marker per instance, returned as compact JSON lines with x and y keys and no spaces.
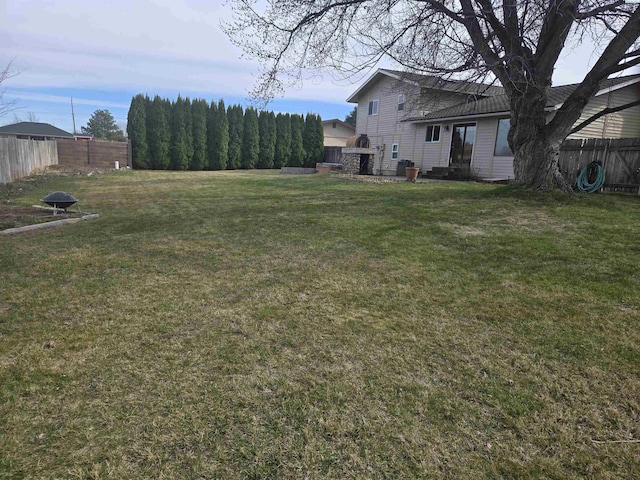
{"x":370,"y":111}
{"x":395,"y":151}
{"x":400,"y":103}
{"x":439,"y":133}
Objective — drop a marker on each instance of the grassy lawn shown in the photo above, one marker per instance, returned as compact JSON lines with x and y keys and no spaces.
{"x":255,"y":325}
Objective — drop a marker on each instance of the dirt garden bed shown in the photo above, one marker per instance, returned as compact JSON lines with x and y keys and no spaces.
{"x":16,"y":216}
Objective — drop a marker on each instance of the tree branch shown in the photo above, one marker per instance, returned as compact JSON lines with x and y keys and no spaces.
{"x":611,"y":7}
{"x":607,"y":64}
{"x":602,"y":113}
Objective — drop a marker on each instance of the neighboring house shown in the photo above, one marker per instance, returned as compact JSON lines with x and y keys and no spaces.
{"x":336,"y":134}
{"x":436,"y":123}
{"x":34,"y":131}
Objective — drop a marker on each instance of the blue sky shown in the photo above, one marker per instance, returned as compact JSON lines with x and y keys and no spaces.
{"x":103,"y":53}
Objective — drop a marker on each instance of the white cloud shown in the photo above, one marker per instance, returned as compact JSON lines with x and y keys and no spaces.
{"x":146,"y":45}
{"x":154,"y":46}
{"x":38,"y":97}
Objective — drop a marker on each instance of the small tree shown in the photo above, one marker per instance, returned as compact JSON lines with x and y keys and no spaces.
{"x":137,"y":132}
{"x":250,"y":139}
{"x":102,"y":125}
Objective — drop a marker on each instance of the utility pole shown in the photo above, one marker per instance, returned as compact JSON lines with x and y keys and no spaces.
{"x":73,"y":116}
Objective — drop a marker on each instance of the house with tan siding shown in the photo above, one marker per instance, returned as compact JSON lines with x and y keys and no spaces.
{"x":336,"y":133}
{"x":444,"y":123}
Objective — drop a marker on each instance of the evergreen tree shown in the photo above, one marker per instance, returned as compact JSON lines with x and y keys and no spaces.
{"x":235,"y":117}
{"x":102,"y":125}
{"x":352,"y":117}
{"x":158,"y":135}
{"x":223,"y":136}
{"x":297,"y":148}
{"x":137,"y":132}
{"x":199,"y":109}
{"x":217,"y":136}
{"x":283,"y":140}
{"x":312,"y":141}
{"x":188,"y":129}
{"x":250,"y":139}
{"x":212,"y":147}
{"x":319,"y":140}
{"x":179,"y":150}
{"x":267,"y":127}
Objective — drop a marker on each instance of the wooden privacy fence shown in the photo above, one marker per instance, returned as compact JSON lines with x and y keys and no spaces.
{"x":620,"y":159}
{"x":18,"y":157}
{"x":95,"y":153}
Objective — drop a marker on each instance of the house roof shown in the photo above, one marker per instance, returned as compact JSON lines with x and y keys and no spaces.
{"x":341,"y":122}
{"x":35,"y":129}
{"x":427,"y":81}
{"x":499,"y":104}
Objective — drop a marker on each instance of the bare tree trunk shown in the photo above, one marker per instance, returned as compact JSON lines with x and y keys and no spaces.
{"x":535,"y":162}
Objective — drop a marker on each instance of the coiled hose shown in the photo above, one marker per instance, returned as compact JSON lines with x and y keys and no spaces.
{"x":593,"y":170}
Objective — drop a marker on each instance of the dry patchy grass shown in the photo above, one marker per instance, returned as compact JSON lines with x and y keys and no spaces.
{"x":251,"y":325}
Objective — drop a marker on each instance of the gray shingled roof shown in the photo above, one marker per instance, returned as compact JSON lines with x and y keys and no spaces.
{"x":500,"y":103}
{"x":35,"y":129}
{"x":428,"y":81}
{"x":459,"y":86}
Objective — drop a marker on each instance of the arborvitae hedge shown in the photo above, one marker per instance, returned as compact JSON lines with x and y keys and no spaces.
{"x":250,"y":140}
{"x":137,"y":132}
{"x":158,"y":136}
{"x":267,"y":128}
{"x":192,"y":134}
{"x":313,"y":140}
{"x":283,"y":140}
{"x":298,"y":154}
{"x":199,"y":118}
{"x":235,"y":116}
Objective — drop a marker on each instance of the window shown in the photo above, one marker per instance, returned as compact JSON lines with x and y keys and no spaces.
{"x":502,"y":146}
{"x":373,"y":107}
{"x":433,"y":134}
{"x":394,"y":151}
{"x":401,"y":102}
{"x":334,"y":124}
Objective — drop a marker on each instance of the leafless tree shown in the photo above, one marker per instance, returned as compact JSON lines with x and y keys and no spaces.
{"x":516,"y":42}
{"x":7,"y":106}
{"x":31,"y":117}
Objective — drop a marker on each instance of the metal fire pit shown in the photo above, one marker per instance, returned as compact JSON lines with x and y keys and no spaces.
{"x":61,"y":200}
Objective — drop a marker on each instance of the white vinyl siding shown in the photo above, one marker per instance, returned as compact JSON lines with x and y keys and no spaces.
{"x":623,"y":124}
{"x":386,"y":128}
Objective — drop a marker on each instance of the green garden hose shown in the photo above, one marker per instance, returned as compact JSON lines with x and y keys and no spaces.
{"x":594,"y":169}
